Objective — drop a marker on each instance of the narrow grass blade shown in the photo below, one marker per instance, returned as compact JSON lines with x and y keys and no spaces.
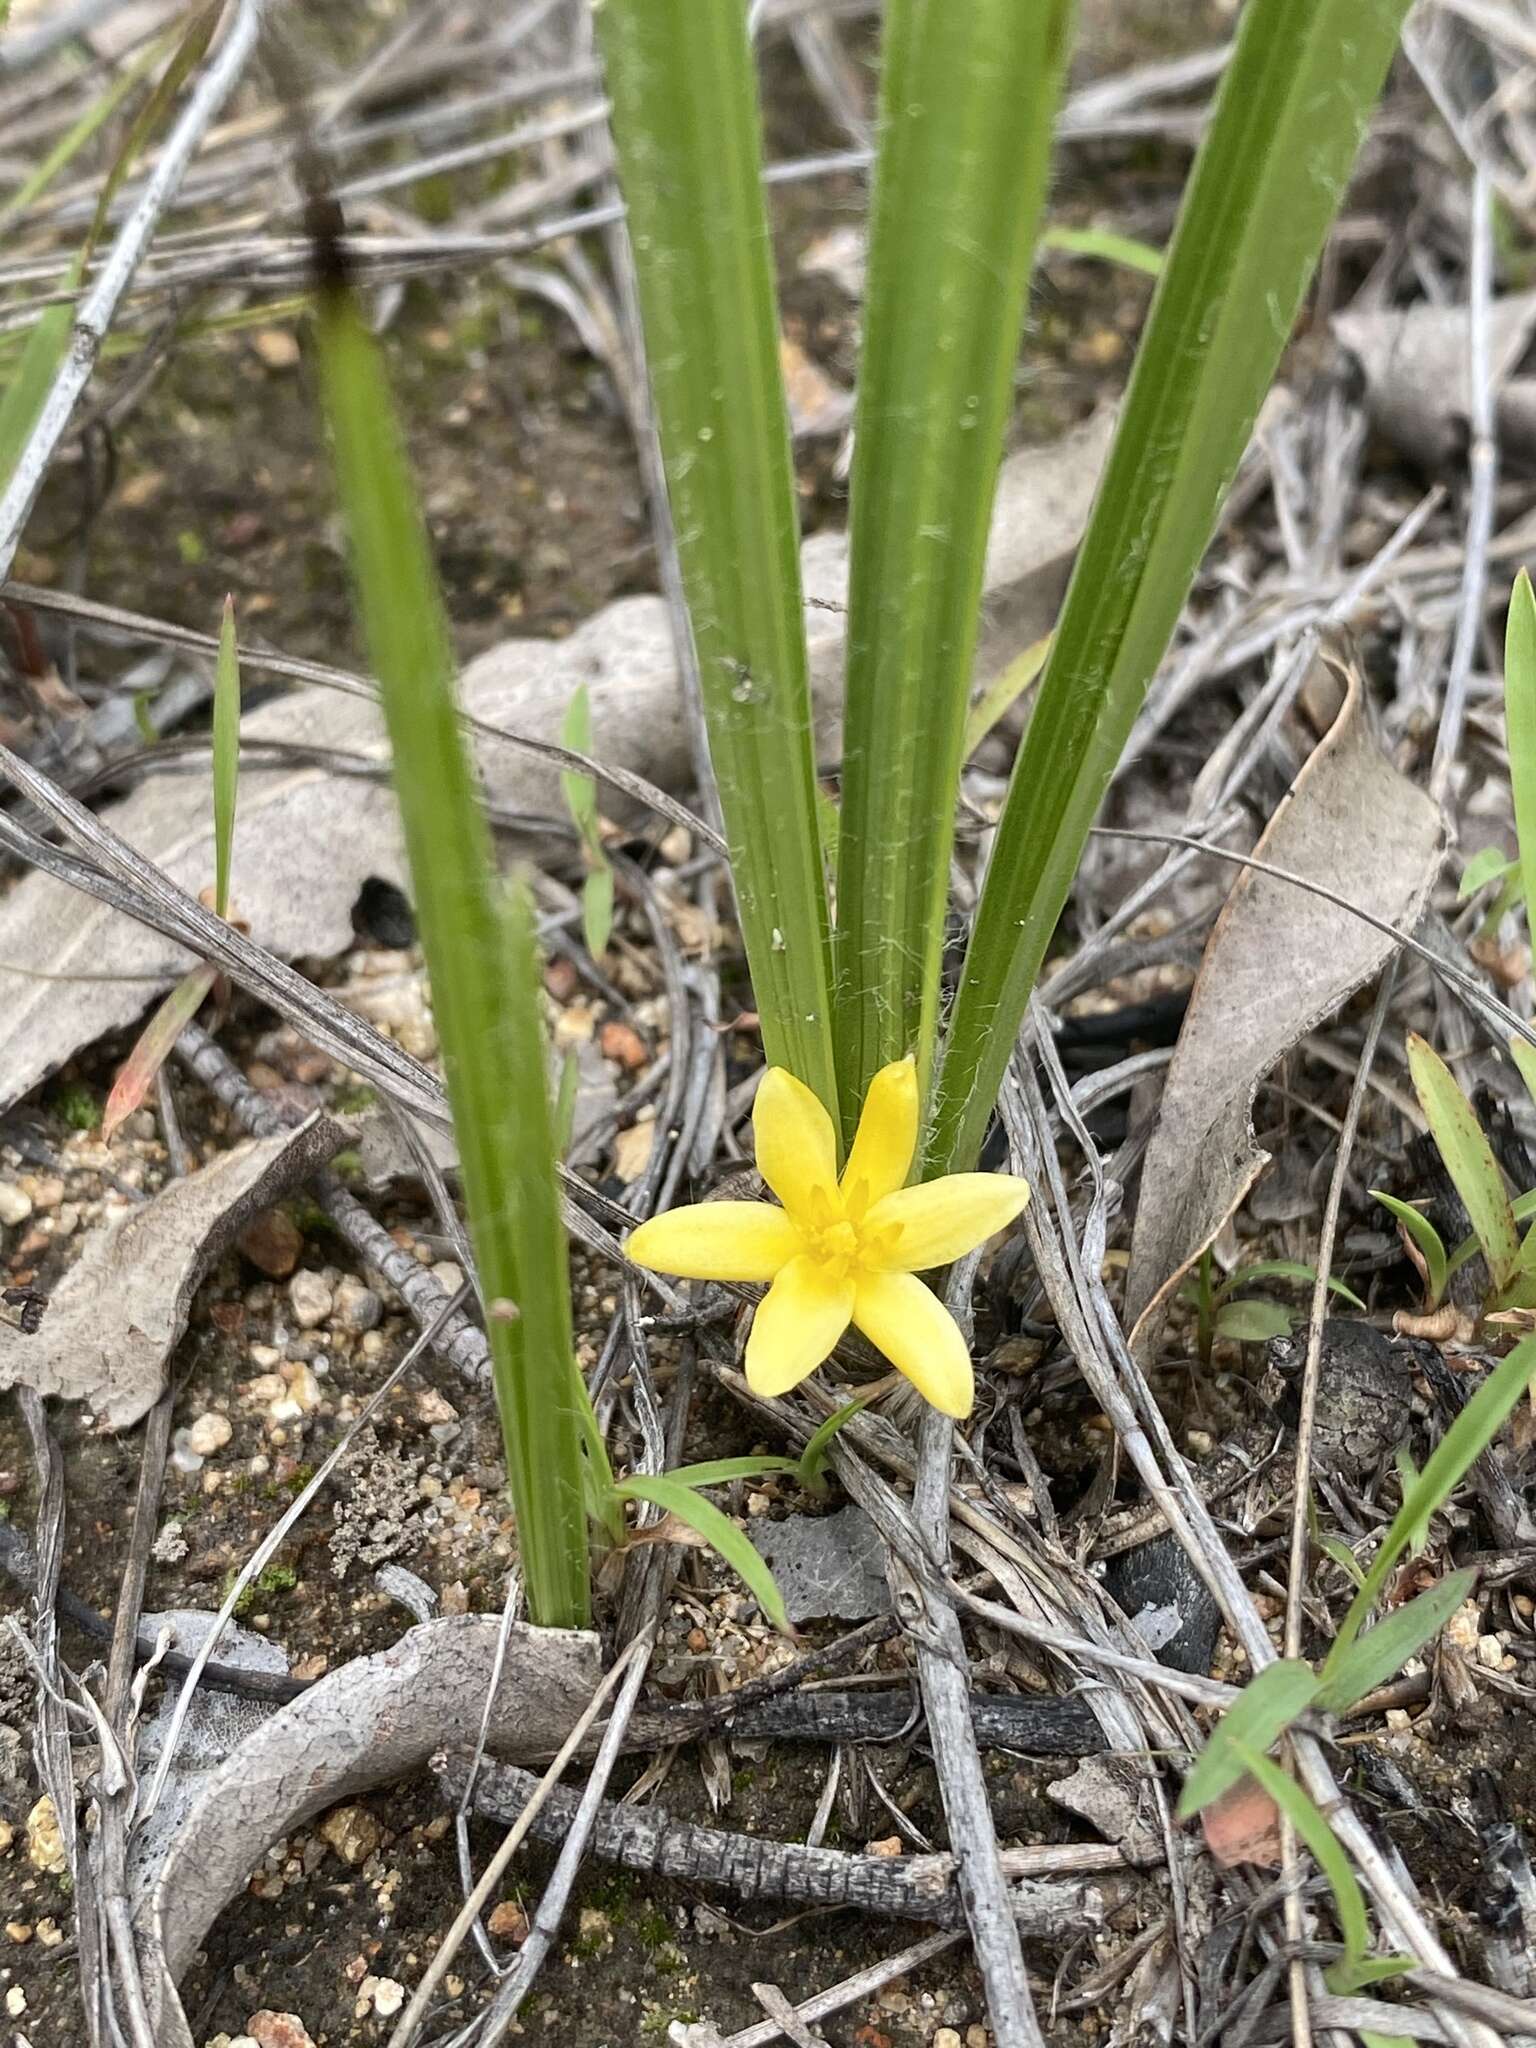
{"x":1488,"y":864}
{"x":1524,"y":1057}
{"x":814,"y":1457}
{"x":1102,"y":245}
{"x":1468,"y":1157}
{"x":1329,"y":1854}
{"x":1382,"y":1651}
{"x":579,"y":791}
{"x":1520,"y":722}
{"x":1271,"y":171}
{"x":185,"y":58}
{"x":226,"y":754}
{"x":968,"y":104}
{"x":1004,"y":690}
{"x":717,"y":1471}
{"x":1253,"y":1322}
{"x":48,"y":336}
{"x":1427,"y":1241}
{"x":718,"y":1531}
{"x":1467,"y":1438}
{"x":1284,"y":1269}
{"x":82,"y":131}
{"x":480,"y":955}
{"x":1267,"y":1706}
{"x":152,"y":1049}
{"x":685,"y":123}
{"x":32,"y":379}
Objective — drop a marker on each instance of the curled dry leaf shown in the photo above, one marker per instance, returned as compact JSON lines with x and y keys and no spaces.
{"x":1242,"y":1826}
{"x":1279,"y":960}
{"x":118,"y":1313}
{"x":1416,"y":365}
{"x":376,"y":1719}
{"x":334,"y":831}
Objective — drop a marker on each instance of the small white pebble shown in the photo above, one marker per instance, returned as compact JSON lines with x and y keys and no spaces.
{"x":1490,"y":1652}
{"x":183,"y":1457}
{"x":388,"y":1996}
{"x":15,"y":1205}
{"x":210,"y":1433}
{"x":1464,"y":1628}
{"x":310,"y":1299}
{"x":357,"y":1308}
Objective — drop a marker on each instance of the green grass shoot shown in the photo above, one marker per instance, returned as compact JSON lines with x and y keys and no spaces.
{"x":1520,"y":722}
{"x":580,"y":792}
{"x":226,"y":755}
{"x":1468,"y":1158}
{"x":478,"y":940}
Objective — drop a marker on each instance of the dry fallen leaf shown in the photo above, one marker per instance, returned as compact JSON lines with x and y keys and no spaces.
{"x":1242,"y":1826}
{"x":1416,"y":362}
{"x":1279,"y":960}
{"x":376,"y":1719}
{"x":632,"y":1151}
{"x":117,"y":1315}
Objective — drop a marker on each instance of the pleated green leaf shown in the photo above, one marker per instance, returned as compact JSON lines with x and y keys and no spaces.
{"x":685,"y":122}
{"x":1268,"y":180}
{"x":967,"y":107}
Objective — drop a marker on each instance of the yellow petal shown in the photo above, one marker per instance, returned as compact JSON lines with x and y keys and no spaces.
{"x":798,"y":1321}
{"x":931,"y":1225}
{"x":907,"y":1321}
{"x":716,"y":1241}
{"x":887,"y":1135}
{"x":796,"y":1144}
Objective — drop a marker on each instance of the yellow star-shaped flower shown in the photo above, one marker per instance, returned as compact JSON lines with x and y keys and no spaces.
{"x":841,"y":1251}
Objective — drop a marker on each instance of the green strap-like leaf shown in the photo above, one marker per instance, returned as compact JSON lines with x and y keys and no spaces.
{"x":1270,"y":175}
{"x":717,"y":1471}
{"x":1370,"y":1660}
{"x":1252,"y":1322}
{"x":814,"y":1457}
{"x":1468,"y":1157}
{"x":1267,"y":1706}
{"x":721,"y":1534}
{"x":967,"y":107}
{"x":478,"y":941}
{"x":1285,"y":1269}
{"x":685,"y":123}
{"x":1520,"y":721}
{"x":1426,"y":1238}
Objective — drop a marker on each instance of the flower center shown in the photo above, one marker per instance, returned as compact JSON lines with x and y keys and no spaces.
{"x":842,"y":1245}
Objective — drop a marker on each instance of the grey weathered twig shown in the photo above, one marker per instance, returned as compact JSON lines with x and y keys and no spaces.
{"x":752,"y":1867}
{"x":458,"y":1341}
{"x":410,"y":2020}
{"x":836,"y":1998}
{"x":262,"y":1555}
{"x":1483,"y":471}
{"x":1305,"y":1428}
{"x":573,"y":1848}
{"x":97,"y":308}
{"x":942,"y":1673}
